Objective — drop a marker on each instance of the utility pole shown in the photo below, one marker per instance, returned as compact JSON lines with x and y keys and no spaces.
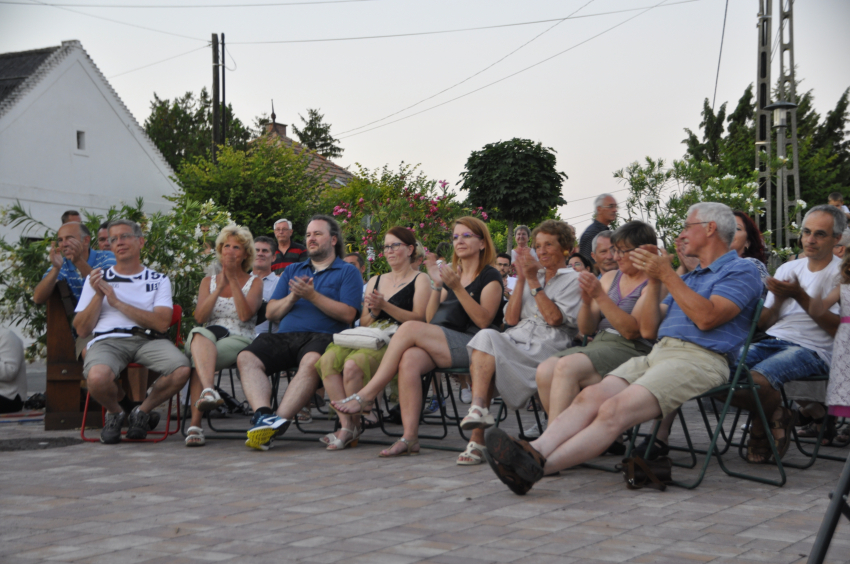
{"x":223,"y":103}
{"x":215,"y":97}
{"x":787,"y":94}
{"x":762,"y":116}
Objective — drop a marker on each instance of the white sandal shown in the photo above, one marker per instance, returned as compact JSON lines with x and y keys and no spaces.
{"x":477,"y":418}
{"x":209,"y":400}
{"x":195,"y":437}
{"x":327,"y":439}
{"x":338,"y":444}
{"x":472,"y":459}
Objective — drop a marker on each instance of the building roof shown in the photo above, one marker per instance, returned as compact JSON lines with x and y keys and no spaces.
{"x":17,"y":67}
{"x":332,"y":174}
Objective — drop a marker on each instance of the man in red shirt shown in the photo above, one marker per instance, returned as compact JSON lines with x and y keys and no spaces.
{"x":288,"y":251}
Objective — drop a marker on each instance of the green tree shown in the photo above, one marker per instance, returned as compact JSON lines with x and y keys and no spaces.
{"x":316,"y":135}
{"x":182,"y":128}
{"x":257,"y":186}
{"x":514,"y":180}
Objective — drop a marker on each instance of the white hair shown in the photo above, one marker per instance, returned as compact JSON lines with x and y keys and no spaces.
{"x":600,"y":199}
{"x":289,"y":223}
{"x":839,"y":220}
{"x":720,"y":214}
{"x":601,"y":235}
{"x":845,"y":238}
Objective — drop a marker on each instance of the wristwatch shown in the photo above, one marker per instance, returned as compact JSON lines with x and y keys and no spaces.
{"x":535,"y":291}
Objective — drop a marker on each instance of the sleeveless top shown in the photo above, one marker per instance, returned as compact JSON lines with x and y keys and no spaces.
{"x":403,"y":299}
{"x":224,"y":312}
{"x":626,"y":303}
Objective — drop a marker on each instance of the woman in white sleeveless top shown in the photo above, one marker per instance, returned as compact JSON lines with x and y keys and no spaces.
{"x":227,"y":307}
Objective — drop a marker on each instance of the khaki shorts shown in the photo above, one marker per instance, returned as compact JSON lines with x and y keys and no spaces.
{"x":675,"y":371}
{"x":227,"y":349}
{"x":607,"y":351}
{"x":158,"y":355}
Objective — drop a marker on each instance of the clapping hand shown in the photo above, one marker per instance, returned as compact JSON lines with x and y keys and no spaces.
{"x":302,"y":286}
{"x":433,"y":268}
{"x":646,"y":258}
{"x":451,"y":279}
{"x":56,"y":256}
{"x":784,"y":289}
{"x":374,"y":301}
{"x":591,"y":288}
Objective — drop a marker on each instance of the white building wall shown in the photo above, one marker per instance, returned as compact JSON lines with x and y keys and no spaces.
{"x":41,"y":166}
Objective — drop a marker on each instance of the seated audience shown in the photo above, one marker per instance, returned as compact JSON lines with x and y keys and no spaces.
{"x":391,"y":299}
{"x":799,"y":343}
{"x":466,"y":298}
{"x":542,"y":318}
{"x":264,"y":250}
{"x":521,"y":236}
{"x":312,"y":300}
{"x":580,"y":264}
{"x":601,"y":253}
{"x":128,"y":309}
{"x":103,"y":237}
{"x":356,"y":260}
{"x":227,"y":308}
{"x":841,"y":248}
{"x":611,"y":310}
{"x":503,"y":264}
{"x":13,"y":372}
{"x":702,"y":322}
{"x":71,"y":216}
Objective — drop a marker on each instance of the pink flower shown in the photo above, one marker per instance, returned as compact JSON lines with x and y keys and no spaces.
{"x":411,"y":205}
{"x":361,"y":201}
{"x":421,"y":225}
{"x":371,"y":259}
{"x":344,"y":221}
{"x":484,"y":215}
{"x":380,"y":255}
{"x":349,"y":215}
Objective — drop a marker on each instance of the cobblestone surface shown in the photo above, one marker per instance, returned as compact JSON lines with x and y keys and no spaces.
{"x":164,"y":503}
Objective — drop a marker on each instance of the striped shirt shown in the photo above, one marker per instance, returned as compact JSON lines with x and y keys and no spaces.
{"x":729,"y":277}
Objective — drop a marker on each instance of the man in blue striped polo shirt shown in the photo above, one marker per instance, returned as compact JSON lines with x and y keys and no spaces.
{"x":701,"y":324}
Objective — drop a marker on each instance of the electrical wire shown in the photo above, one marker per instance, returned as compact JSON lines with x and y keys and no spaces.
{"x":39,"y":3}
{"x":258,"y":5}
{"x":720,"y":56}
{"x":158,"y":62}
{"x":226,"y":50}
{"x":467,"y":78}
{"x":508,"y":76}
{"x":458,"y":30}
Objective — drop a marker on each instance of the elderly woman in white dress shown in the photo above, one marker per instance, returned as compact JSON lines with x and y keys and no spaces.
{"x":227,"y":306}
{"x":542,"y":311}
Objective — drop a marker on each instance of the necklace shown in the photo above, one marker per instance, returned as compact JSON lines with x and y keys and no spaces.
{"x":400,"y":283}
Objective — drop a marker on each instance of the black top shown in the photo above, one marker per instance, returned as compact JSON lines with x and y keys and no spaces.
{"x":403,"y":299}
{"x":585,"y":245}
{"x":451,"y":314}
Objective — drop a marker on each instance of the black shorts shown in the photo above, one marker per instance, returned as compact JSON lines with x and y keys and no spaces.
{"x":282,"y":351}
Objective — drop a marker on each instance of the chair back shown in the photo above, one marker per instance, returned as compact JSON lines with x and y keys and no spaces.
{"x":177,"y":319}
{"x":746,"y":347}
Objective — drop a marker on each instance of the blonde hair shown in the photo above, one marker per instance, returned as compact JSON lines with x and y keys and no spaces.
{"x":487,"y":255}
{"x":241,"y":234}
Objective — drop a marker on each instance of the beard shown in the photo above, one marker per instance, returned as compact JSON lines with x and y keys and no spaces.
{"x":320,"y":254}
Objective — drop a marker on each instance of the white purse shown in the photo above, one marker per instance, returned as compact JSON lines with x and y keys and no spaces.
{"x":371,"y":338}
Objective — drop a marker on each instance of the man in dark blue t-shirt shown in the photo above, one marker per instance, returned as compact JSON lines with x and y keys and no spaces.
{"x":313,"y":300}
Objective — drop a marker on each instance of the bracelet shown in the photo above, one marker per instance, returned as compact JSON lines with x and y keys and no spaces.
{"x":372,"y":314}
{"x":433,"y":285}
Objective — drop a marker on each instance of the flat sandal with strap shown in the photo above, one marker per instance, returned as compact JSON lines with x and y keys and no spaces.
{"x":408,"y":452}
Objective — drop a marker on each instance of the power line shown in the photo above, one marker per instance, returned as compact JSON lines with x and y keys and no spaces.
{"x":258,"y":5}
{"x":510,"y":75}
{"x":720,"y":56}
{"x":458,"y":30}
{"x":156,"y":63}
{"x":38,"y":2}
{"x":465,"y":79}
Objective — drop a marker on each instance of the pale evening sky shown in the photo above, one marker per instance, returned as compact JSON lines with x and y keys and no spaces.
{"x":614,"y":99}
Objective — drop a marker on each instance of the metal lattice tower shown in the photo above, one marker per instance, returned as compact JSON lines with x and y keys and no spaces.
{"x":777,"y":201}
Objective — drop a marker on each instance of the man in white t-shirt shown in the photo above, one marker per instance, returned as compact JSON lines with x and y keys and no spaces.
{"x":128,"y":308}
{"x":503,"y":264}
{"x":799,"y":344}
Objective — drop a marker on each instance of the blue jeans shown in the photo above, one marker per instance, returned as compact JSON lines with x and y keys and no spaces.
{"x":782,"y":361}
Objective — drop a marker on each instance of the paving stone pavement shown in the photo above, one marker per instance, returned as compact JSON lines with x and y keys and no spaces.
{"x":164,"y":503}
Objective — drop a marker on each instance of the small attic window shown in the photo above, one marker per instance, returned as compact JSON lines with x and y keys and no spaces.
{"x":81,"y":140}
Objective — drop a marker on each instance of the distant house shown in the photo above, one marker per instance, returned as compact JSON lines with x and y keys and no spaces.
{"x":67,"y":141}
{"x":334,"y":176}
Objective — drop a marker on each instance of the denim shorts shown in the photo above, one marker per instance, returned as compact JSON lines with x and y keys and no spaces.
{"x":782,"y":361}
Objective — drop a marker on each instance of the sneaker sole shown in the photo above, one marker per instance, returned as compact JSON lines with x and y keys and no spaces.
{"x":258,"y":446}
{"x":137,"y":434}
{"x":257,"y":437}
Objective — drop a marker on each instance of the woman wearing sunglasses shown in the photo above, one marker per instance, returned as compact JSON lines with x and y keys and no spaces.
{"x":466,"y":297}
{"x":390,"y":299}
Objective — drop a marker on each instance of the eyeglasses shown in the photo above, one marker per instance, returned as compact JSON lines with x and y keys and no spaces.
{"x":466,"y":236}
{"x":392,"y":247}
{"x":122,"y":237}
{"x":621,"y":252}
{"x":688,"y":225}
{"x":819,"y":235}
{"x":610,"y":207}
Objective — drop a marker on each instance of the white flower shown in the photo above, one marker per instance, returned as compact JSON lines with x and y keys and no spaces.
{"x":794,"y":225}
{"x":801,"y":203}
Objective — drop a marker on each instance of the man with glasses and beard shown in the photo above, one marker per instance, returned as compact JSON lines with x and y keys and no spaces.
{"x":312,"y":300}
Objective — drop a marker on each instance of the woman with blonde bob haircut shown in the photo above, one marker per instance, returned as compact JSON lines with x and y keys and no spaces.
{"x":466,"y":297}
{"x":227,"y":308}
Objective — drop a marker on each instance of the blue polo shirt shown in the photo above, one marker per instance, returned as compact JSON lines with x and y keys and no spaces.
{"x":340,"y":282}
{"x":730,"y":277}
{"x":69,"y":273}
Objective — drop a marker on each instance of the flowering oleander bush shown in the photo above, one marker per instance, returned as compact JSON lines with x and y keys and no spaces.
{"x":376,"y":201}
{"x":175,"y":244}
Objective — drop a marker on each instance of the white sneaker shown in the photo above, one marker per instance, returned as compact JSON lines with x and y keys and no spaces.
{"x":465,"y":395}
{"x":534,"y":431}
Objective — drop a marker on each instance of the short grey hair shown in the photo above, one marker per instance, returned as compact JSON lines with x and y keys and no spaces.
{"x":522,"y":228}
{"x":137,"y":229}
{"x":289,"y":223}
{"x":720,"y":214}
{"x":839,"y":223}
{"x":601,"y":235}
{"x":600,"y":199}
{"x":845,"y":238}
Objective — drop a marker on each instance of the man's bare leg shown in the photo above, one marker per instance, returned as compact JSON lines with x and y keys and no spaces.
{"x":572,"y":374}
{"x":255,"y":382}
{"x":301,"y":388}
{"x":165,"y":387}
{"x":104,"y":387}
